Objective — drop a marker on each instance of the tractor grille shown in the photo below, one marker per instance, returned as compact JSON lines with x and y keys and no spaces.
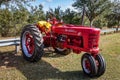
{"x":93,"y":41}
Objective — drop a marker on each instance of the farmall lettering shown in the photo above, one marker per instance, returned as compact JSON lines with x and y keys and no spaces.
{"x":71,"y":31}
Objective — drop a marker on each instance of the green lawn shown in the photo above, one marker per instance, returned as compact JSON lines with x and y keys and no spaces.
{"x":54,"y":67}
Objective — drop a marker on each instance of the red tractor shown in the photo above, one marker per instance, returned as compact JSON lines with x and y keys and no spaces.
{"x":64,"y":38}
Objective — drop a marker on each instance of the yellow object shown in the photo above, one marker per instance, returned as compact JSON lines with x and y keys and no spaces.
{"x":44,"y":24}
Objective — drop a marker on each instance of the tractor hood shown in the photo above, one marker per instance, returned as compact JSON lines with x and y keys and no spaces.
{"x":75,"y":30}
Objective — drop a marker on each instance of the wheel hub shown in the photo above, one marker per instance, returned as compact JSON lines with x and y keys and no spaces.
{"x":29,"y":43}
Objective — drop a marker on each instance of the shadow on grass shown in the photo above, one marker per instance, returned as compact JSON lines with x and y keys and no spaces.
{"x":52,"y":54}
{"x":38,"y":71}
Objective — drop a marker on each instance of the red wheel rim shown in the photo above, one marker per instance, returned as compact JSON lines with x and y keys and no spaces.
{"x":29,"y":43}
{"x":86,"y":65}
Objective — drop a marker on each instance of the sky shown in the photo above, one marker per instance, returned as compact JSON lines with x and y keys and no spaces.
{"x":64,"y":4}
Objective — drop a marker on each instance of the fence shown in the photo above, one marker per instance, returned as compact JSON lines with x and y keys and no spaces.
{"x":10,"y":42}
{"x":109,"y":30}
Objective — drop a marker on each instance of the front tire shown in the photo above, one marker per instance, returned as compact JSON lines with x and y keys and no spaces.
{"x":31,"y":43}
{"x":100,"y":64}
{"x":89,"y":65}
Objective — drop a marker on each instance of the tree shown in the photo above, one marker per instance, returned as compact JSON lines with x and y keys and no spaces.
{"x":68,"y":16}
{"x":114,"y":17}
{"x":15,"y":2}
{"x":3,"y":1}
{"x":57,"y":12}
{"x":36,"y":14}
{"x":94,"y":8}
{"x":71,"y":17}
{"x":5,"y":22}
{"x":12,"y":13}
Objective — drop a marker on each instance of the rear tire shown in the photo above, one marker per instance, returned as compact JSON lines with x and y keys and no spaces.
{"x":89,"y":65}
{"x":31,"y":43}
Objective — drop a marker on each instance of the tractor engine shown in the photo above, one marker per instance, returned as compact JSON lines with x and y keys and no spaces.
{"x":61,"y":38}
{"x":78,"y":38}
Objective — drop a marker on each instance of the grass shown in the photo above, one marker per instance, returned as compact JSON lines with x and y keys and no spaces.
{"x":54,"y":66}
